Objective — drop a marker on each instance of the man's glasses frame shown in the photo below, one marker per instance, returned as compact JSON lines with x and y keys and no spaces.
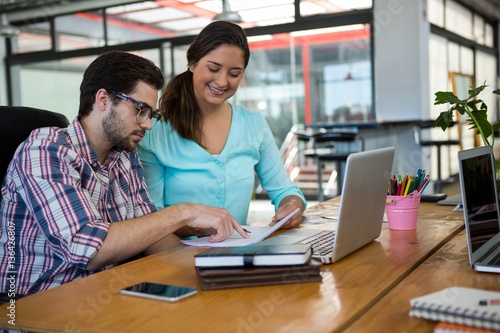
{"x":144,"y":111}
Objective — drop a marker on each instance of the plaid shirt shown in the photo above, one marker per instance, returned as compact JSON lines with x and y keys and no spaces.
{"x":58,"y":202}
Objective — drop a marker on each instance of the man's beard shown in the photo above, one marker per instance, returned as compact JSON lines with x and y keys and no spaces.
{"x":115,"y":130}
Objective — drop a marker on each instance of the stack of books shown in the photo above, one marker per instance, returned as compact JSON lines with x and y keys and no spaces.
{"x":256,"y":265}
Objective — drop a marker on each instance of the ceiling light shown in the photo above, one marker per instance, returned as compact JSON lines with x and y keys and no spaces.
{"x":7,"y":30}
{"x":303,"y":33}
{"x":227,"y":14}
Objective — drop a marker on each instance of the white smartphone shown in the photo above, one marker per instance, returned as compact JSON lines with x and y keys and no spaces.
{"x":164,"y":292}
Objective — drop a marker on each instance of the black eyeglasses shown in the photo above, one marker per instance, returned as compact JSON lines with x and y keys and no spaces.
{"x":144,"y":111}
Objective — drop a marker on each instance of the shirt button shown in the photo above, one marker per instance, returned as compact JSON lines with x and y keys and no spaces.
{"x":219,"y":196}
{"x":219,"y":180}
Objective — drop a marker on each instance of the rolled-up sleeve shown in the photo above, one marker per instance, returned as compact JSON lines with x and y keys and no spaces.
{"x":270,"y":170}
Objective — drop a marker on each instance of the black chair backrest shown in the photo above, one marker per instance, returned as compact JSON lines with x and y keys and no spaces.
{"x":16,"y":123}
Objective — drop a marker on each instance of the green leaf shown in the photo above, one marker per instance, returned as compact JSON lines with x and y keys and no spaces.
{"x":472,"y":106}
{"x":477,"y":91}
{"x":483,"y":123}
{"x":460,"y":108}
{"x":474,"y":109}
{"x":483,"y":105}
{"x":443,"y":97}
{"x":443,"y":120}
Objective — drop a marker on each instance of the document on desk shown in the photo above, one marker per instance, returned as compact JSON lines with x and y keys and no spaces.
{"x":256,"y":234}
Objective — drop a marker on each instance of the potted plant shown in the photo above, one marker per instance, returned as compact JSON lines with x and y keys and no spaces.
{"x":476,"y":111}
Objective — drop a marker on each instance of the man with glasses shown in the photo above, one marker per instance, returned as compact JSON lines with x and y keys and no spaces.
{"x":74,"y":199}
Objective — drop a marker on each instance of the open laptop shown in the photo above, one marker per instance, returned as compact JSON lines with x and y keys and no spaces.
{"x":361,"y":209}
{"x":481,"y":212}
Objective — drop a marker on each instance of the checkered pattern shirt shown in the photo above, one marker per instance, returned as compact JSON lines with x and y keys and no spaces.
{"x":58,"y":203}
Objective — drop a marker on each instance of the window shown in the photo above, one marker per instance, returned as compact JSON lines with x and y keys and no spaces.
{"x":309,"y":76}
{"x":55,"y":85}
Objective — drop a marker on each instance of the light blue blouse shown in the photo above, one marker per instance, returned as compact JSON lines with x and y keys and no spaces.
{"x":179,"y":170}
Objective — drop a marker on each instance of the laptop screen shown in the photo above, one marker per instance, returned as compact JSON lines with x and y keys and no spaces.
{"x":479,"y":186}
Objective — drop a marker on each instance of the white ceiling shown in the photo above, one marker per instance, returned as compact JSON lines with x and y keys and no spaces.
{"x":170,"y":17}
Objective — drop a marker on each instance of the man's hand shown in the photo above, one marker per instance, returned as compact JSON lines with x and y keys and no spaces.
{"x":218,"y":221}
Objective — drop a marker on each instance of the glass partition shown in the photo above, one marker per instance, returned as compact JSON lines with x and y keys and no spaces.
{"x":310,"y":76}
{"x":55,"y":85}
{"x":79,"y":31}
{"x":34,"y":37}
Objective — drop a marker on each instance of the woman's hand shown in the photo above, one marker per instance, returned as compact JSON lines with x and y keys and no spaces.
{"x":288,"y":205}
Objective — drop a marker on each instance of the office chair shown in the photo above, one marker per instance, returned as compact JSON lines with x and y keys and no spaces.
{"x":334,"y":146}
{"x":16,"y":123}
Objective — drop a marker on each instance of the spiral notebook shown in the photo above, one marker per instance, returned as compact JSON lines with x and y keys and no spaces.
{"x":444,"y":327}
{"x":459,"y":305}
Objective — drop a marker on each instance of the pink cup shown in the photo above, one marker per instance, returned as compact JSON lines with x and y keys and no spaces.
{"x":402,"y":211}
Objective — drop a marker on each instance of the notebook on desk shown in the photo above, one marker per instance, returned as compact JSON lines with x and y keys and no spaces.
{"x":480,"y":207}
{"x":361,"y":209}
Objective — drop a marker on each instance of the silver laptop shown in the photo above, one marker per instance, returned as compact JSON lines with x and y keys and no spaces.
{"x":480,"y":203}
{"x":361,"y":209}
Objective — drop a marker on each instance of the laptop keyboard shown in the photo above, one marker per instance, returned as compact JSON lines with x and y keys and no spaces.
{"x":321,"y":243}
{"x":495,"y":260}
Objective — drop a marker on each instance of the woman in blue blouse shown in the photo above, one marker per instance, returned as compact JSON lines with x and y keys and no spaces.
{"x":206,"y":150}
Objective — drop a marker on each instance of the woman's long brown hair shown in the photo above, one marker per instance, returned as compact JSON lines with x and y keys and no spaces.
{"x":178,"y":103}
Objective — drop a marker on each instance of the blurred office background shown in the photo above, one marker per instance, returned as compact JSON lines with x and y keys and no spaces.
{"x":374,"y":65}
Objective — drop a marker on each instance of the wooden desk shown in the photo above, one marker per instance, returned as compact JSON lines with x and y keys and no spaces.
{"x":349,"y":288}
{"x":448,"y":267}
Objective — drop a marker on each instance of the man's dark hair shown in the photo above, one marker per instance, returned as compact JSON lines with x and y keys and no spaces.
{"x":119,"y":71}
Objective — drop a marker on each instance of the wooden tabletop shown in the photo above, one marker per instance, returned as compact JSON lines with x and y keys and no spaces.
{"x":448,"y":267}
{"x":349,"y":289}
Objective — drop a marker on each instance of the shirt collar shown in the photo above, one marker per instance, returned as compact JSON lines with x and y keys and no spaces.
{"x":82,"y":145}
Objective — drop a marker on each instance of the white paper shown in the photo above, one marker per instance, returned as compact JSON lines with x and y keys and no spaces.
{"x":256,"y":234}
